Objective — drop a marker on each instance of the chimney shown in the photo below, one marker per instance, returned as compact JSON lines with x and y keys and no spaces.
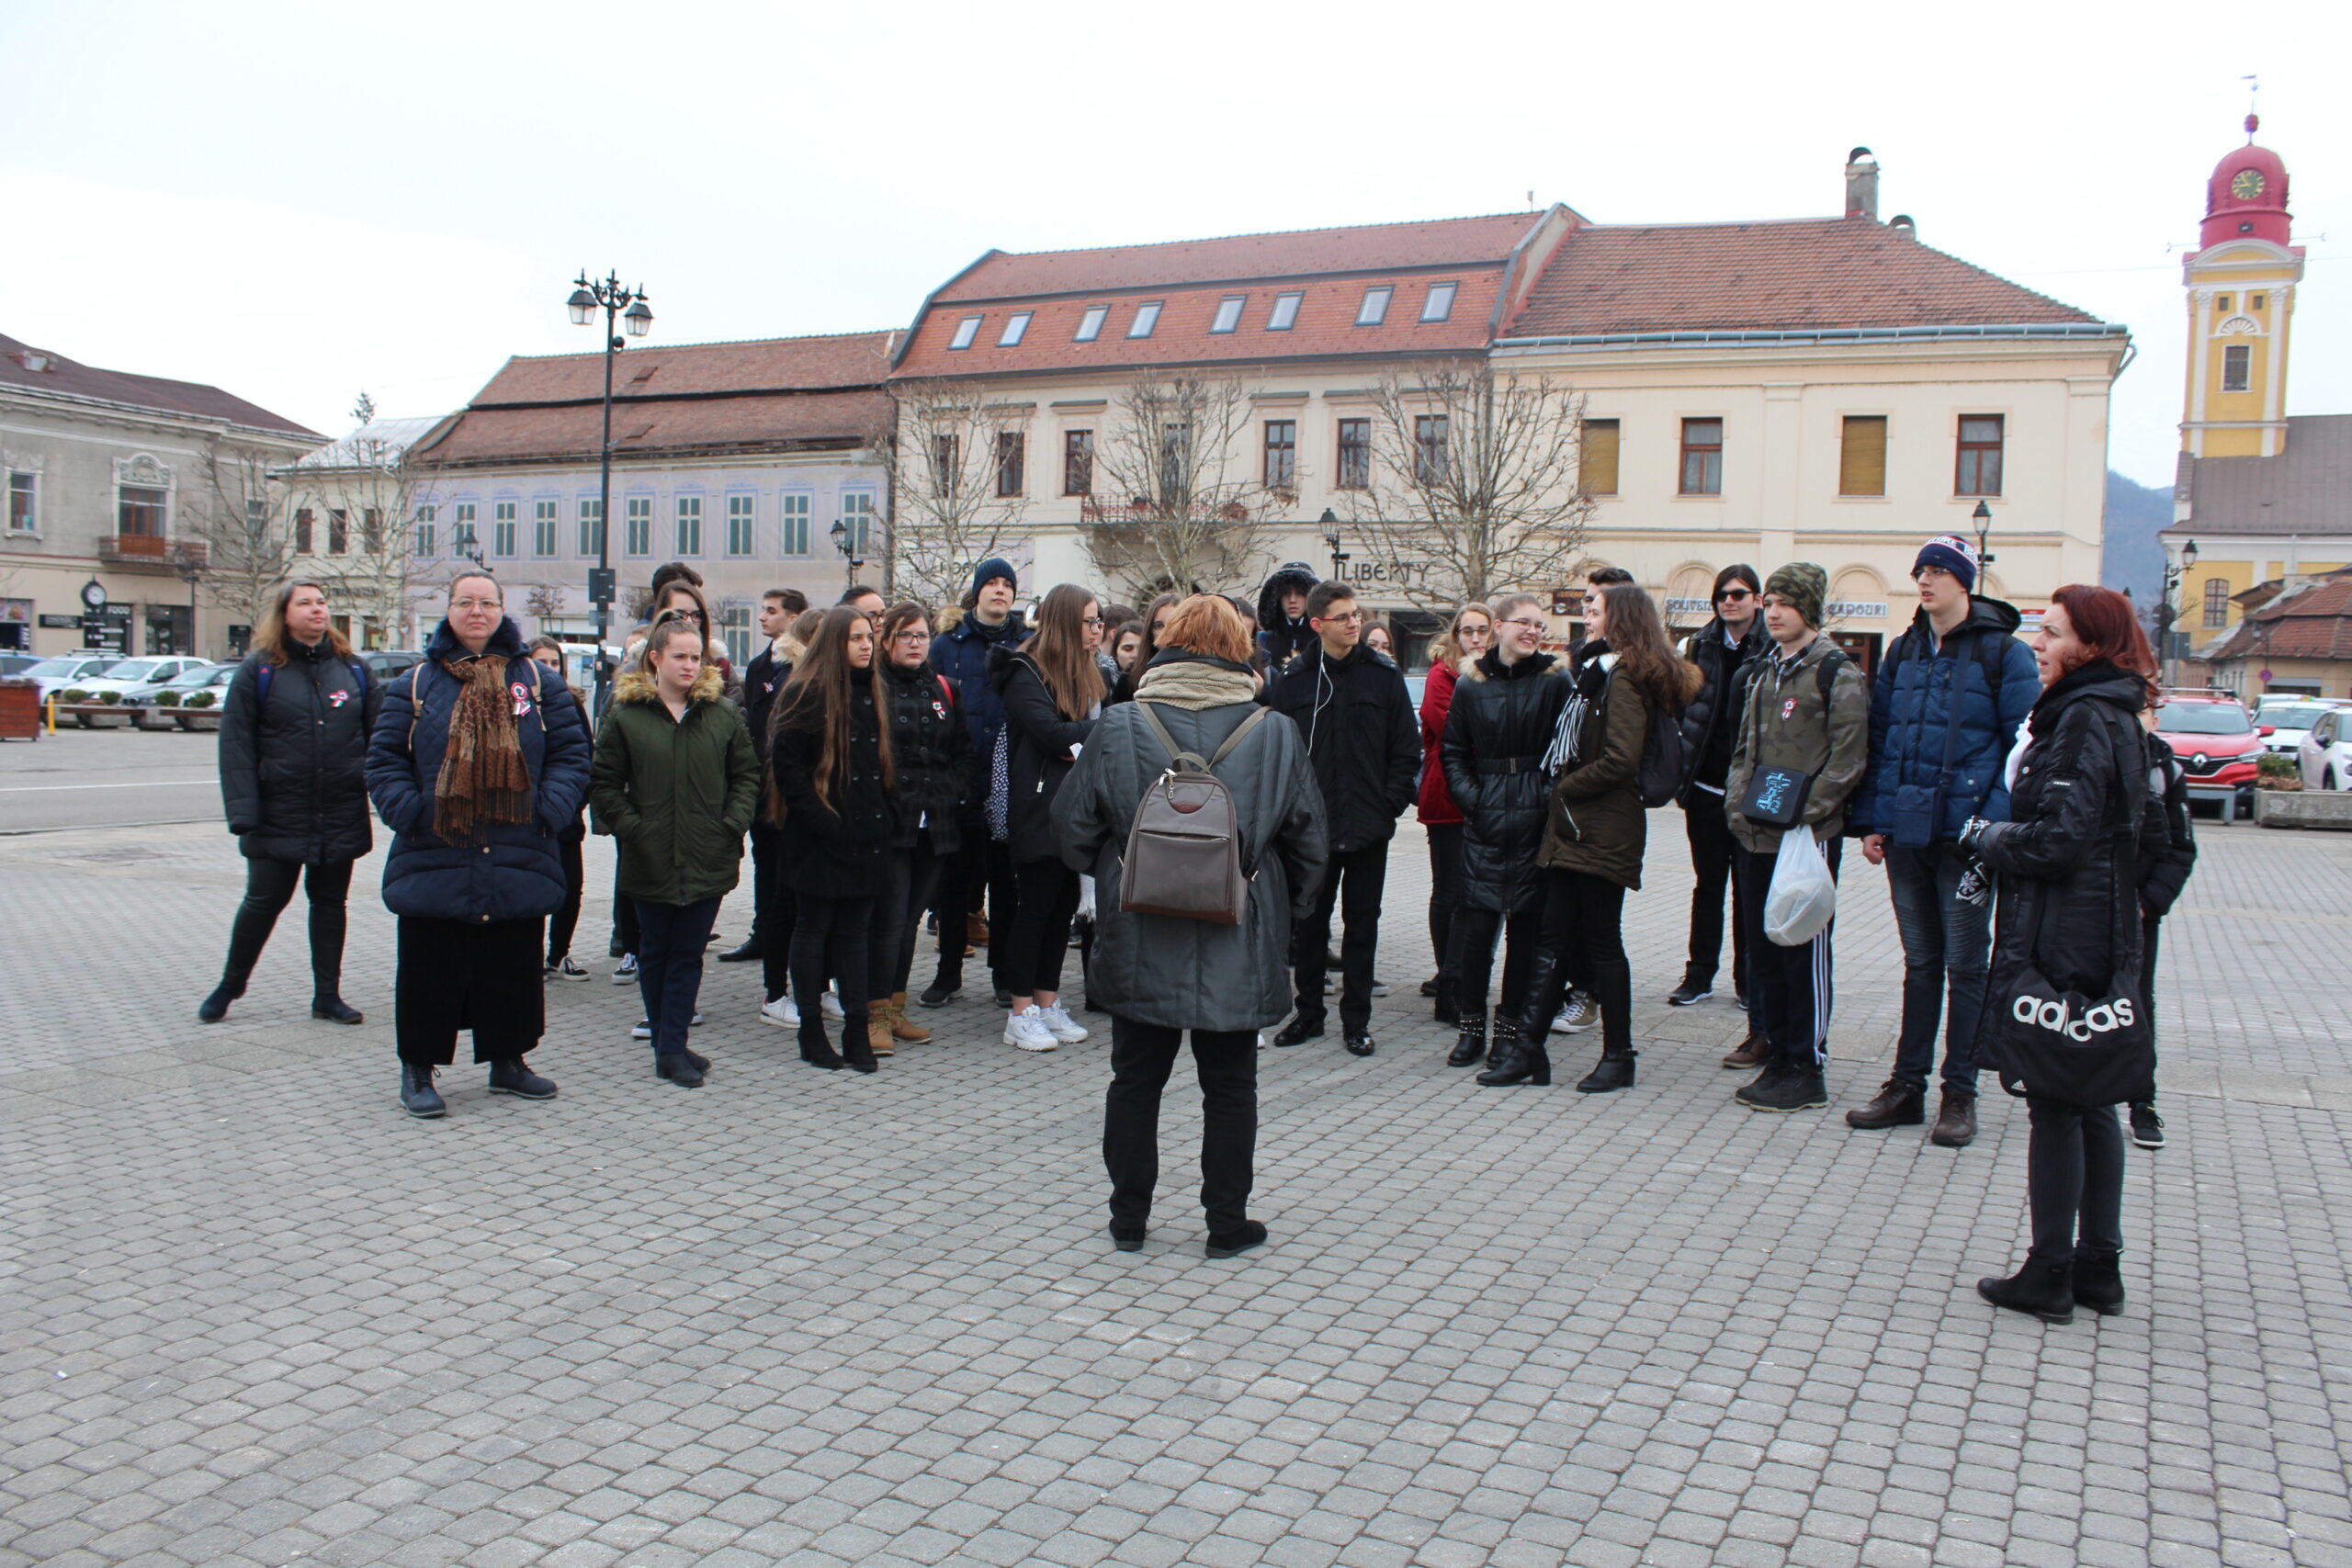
{"x":1901,"y":226}
{"x":1862,"y":185}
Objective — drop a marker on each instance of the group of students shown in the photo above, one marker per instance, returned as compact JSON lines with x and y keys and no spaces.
{"x":882,"y":766}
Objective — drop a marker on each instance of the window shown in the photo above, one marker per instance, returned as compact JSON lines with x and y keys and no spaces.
{"x":965,"y":331}
{"x":1090,"y":325}
{"x":2222,"y":301}
{"x":1597,"y":457}
{"x":2238,"y":367}
{"x":1861,"y":456}
{"x":591,"y":529}
{"x":2257,"y":301}
{"x":1078,"y":462}
{"x":140,"y":510}
{"x":946,"y":457}
{"x":2217,"y":603}
{"x":796,"y":506}
{"x":1429,"y":432}
{"x":1979,"y":471}
{"x":735,"y":626}
{"x":338,"y":532}
{"x":465,"y":537}
{"x":689,"y":525}
{"x":1229,"y":313}
{"x":857,"y":511}
{"x":371,"y":531}
{"x":738,"y":524}
{"x":1147,"y":317}
{"x":1282,"y":454}
{"x":1702,"y":457}
{"x":1375,"y":309}
{"x":1439,"y":303}
{"x":1011,"y":461}
{"x":425,"y":542}
{"x":1355,"y":454}
{"x":636,"y":525}
{"x":1284,"y":314}
{"x":23,"y":503}
{"x":1016,"y":327}
{"x":503,"y":528}
{"x":543,"y":542}
{"x":305,"y":524}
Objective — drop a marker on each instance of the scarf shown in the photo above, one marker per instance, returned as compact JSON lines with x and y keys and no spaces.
{"x":1194,"y":682}
{"x":483,"y":778}
{"x":1585,"y":689}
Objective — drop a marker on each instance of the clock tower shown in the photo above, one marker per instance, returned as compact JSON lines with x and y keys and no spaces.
{"x":2241,"y":281}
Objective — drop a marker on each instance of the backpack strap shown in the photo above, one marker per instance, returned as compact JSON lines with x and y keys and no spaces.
{"x":944,"y":689}
{"x":1176,"y":754}
{"x":1244,"y":728}
{"x":415,"y":672}
{"x":262,"y":676}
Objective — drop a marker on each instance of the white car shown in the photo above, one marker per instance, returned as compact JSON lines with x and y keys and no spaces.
{"x":138,"y":674}
{"x":71,"y":669}
{"x":194,"y":678}
{"x":2324,"y":759}
{"x":2288,"y":723}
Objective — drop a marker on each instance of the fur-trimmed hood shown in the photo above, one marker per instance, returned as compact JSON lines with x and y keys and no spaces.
{"x":637,"y":686}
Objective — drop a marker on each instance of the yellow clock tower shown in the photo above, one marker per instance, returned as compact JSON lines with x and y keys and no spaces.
{"x":2241,"y":282}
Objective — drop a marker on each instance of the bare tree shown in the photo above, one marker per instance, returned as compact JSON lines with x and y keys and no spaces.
{"x":959,"y":467}
{"x":1178,"y":499}
{"x":363,"y":488}
{"x":545,"y":600}
{"x":1470,"y":488}
{"x":244,"y":522}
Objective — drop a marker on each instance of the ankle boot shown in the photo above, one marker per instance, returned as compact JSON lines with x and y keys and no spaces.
{"x":2045,"y":1291}
{"x":1506,"y":1034}
{"x":2099,"y":1284}
{"x":1896,"y":1104}
{"x":857,"y":1046}
{"x":1614,"y":1072}
{"x":877,"y":1028}
{"x":1753,"y":1053}
{"x":901,"y":1026}
{"x":1470,"y":1045}
{"x":215,"y":1008}
{"x":1517,"y":1061}
{"x":815,"y":1049}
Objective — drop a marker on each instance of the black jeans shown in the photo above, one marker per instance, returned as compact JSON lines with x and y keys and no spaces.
{"x":1352,"y":881}
{"x":1583,"y":933}
{"x":1445,"y":893}
{"x":571,"y":842}
{"x":625,"y":932}
{"x":1029,"y":959}
{"x":481,"y":975}
{"x":1711,"y":848}
{"x":980,"y":870}
{"x":776,"y":918}
{"x":889,"y":917}
{"x":921,"y":868}
{"x":2073,"y":1172}
{"x":671,"y":938}
{"x":767,"y":848}
{"x":831,"y":936}
{"x":1142,"y":1054}
{"x":269,"y":888}
{"x":1790,"y":989}
{"x":1473,"y":940}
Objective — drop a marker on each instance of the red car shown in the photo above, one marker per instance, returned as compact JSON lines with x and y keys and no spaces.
{"x":2217,"y":744}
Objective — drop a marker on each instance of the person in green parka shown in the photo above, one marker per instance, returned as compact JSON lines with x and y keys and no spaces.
{"x":676,"y":778}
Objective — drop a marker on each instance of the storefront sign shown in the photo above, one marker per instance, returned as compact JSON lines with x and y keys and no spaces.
{"x":1702,"y":608}
{"x":1400,"y":570}
{"x":108,"y":630}
{"x":61,"y":623}
{"x":1855,"y":609}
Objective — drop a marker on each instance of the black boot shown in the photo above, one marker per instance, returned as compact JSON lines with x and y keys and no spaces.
{"x":1470,"y":1045}
{"x":2045,"y":1290}
{"x":814,"y":1048}
{"x":1517,"y":1061}
{"x":1448,"y":1007}
{"x":2099,"y":1284}
{"x":215,"y":1008}
{"x":334,"y":1010}
{"x":857,"y":1045}
{"x":1614,"y":1072}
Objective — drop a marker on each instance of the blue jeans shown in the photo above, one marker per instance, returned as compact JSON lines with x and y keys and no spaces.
{"x":670,"y":941}
{"x":1947,"y":947}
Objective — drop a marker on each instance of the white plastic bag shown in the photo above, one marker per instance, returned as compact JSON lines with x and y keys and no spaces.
{"x":1085,"y":897}
{"x":1802,"y":898}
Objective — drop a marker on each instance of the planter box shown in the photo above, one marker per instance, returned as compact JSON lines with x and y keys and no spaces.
{"x":2303,"y":809}
{"x":153,"y":718}
{"x":20,"y":710}
{"x":197,"y":719}
{"x":87,"y":714}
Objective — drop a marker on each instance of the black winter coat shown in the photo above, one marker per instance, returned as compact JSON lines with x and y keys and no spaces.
{"x":2081,"y":796}
{"x":931,"y":751}
{"x":836,"y":850}
{"x":1038,"y":758}
{"x":1362,"y":738}
{"x":294,"y":769}
{"x":2163,"y":877}
{"x":1496,"y":734}
{"x":763,"y":679}
{"x":1710,"y":724}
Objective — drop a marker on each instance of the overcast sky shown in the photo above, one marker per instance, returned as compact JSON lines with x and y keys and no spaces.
{"x":299,"y":201}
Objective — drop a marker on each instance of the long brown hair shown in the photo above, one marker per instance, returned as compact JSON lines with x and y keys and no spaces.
{"x":272,"y":639}
{"x":1059,"y":651}
{"x":702,"y":605}
{"x":1636,"y":635}
{"x":818,"y":698}
{"x":898,"y":618}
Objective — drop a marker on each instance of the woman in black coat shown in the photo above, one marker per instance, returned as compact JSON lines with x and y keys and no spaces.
{"x":294,"y":781}
{"x":932,"y":748}
{"x":1505,"y":707}
{"x":2080,"y":814}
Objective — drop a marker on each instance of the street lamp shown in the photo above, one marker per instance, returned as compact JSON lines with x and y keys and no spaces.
{"x":2167,"y":612}
{"x":840,"y":532}
{"x":1983,"y":518}
{"x":628,"y":305}
{"x":1330,"y":523}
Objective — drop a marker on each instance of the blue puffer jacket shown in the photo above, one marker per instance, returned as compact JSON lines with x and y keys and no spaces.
{"x":961,"y":653}
{"x":518,"y":872}
{"x":1916,"y":690}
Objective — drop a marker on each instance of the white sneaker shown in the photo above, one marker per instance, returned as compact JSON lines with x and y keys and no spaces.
{"x":644,"y":1030}
{"x":1580,"y":1014}
{"x":783,"y":1012}
{"x":627,"y":973}
{"x":830,"y":1006}
{"x":1067,"y":1030}
{"x":1027,"y":1030}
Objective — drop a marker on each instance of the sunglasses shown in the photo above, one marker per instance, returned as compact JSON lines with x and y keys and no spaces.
{"x":1733,"y":596}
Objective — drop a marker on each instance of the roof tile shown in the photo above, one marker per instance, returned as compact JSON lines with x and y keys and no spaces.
{"x":187,"y":398}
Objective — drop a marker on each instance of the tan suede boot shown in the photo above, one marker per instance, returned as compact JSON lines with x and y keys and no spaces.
{"x":877,"y":1028}
{"x":901,"y":1026}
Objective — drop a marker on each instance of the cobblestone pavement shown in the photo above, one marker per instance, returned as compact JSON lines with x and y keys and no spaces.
{"x":250,"y":1314}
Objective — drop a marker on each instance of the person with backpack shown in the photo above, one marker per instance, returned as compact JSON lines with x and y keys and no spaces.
{"x":477,"y":761}
{"x":1720,"y":649}
{"x":1365,"y":747}
{"x":1466,"y":637}
{"x":981,"y":867}
{"x":1617,"y":725}
{"x":294,"y":735}
{"x":1945,"y":703}
{"x":1804,"y":741}
{"x":1218,"y":971}
{"x":2161,"y":876}
{"x":931,"y":747}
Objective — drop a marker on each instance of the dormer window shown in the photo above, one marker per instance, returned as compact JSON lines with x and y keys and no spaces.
{"x":1285,"y":313}
{"x":1375,"y":309}
{"x":1090,"y":325}
{"x":1147,"y":317}
{"x":1439,"y":304}
{"x":1016,"y":327}
{"x":965,"y":331}
{"x":1229,"y":313}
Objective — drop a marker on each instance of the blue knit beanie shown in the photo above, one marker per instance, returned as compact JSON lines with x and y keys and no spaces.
{"x":995,"y":566}
{"x":1952,"y":553}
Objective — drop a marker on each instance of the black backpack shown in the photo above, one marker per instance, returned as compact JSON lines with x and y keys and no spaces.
{"x":1665,"y":762}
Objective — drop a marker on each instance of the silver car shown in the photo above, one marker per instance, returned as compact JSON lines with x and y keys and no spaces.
{"x":2324,"y":758}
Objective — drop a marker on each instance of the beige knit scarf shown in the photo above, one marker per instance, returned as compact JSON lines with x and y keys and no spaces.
{"x":1192,"y":684}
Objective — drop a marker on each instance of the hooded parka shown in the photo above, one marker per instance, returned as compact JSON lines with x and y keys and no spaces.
{"x":1357,"y":720}
{"x":961,"y":653}
{"x":1980,"y":678}
{"x":1496,"y":734}
{"x":1279,"y":636}
{"x":1038,"y":760}
{"x":1597,"y":824}
{"x":932,"y":751}
{"x":832,"y":849}
{"x":679,"y":792}
{"x":294,"y":766}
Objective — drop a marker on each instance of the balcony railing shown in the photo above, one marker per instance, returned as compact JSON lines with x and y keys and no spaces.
{"x":151,"y":550}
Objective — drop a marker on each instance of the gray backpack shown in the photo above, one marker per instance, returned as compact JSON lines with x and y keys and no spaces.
{"x":1184,"y":845}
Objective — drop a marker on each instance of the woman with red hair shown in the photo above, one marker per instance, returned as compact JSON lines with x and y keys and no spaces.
{"x":2080,"y":815}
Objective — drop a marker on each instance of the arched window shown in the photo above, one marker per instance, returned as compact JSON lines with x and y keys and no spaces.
{"x":2217,"y":603}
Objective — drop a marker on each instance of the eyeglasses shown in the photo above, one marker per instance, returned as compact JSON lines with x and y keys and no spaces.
{"x":477,"y":603}
{"x":1351,"y":619}
{"x":1532,"y":625}
{"x":1089,"y":620}
{"x":1733,"y":596}
{"x":1926,"y":572}
{"x":911,"y":634}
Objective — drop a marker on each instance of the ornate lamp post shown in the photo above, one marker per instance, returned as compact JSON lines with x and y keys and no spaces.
{"x":842,"y":542}
{"x":1983,"y":518}
{"x":1330,"y":523}
{"x":2167,"y":612}
{"x":628,"y":305}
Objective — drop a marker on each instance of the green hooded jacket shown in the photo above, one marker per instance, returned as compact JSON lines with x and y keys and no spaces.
{"x":678,"y":794}
{"x":1783,"y":723}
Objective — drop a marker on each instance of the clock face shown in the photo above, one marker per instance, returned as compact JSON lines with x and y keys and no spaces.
{"x":2246,"y":184}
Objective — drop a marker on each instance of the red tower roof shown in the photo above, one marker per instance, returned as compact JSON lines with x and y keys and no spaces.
{"x":2247,"y":195}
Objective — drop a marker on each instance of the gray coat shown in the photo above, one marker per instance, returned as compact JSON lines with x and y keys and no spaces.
{"x":1190,"y":974}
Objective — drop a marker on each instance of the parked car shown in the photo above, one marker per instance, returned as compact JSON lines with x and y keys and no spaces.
{"x":2217,"y":744}
{"x":137,"y":674}
{"x":383,"y":663}
{"x":2284,"y":724}
{"x":16,"y":663}
{"x":196,"y":678}
{"x":67,"y":670}
{"x":2324,"y":758}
